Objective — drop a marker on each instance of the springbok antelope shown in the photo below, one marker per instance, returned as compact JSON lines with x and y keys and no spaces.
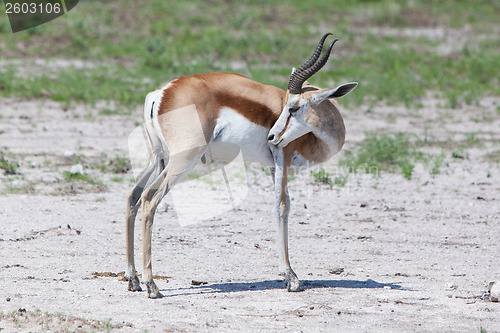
{"x":266,"y":124}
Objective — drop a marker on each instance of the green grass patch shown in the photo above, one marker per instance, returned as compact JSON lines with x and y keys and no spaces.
{"x":321,"y":176}
{"x":120,"y":164}
{"x":263,"y":40}
{"x":109,"y":112}
{"x":9,"y":167}
{"x":22,"y":188}
{"x":381,"y":152}
{"x":471,"y":140}
{"x":391,"y":153}
{"x":117,"y":165}
{"x":117,"y":179}
{"x":24,"y":320}
{"x":112,"y":82}
{"x":437,"y":162}
{"x":80,"y":177}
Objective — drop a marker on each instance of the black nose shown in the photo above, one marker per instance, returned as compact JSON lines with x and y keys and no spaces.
{"x":270,"y":137}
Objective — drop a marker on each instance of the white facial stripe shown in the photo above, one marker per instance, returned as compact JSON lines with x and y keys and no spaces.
{"x":292,"y":100}
{"x":289,"y":127}
{"x":280,"y":135}
{"x":280,"y":124}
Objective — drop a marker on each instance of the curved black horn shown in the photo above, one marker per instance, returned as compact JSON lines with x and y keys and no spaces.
{"x":315,"y":55}
{"x":300,"y":76}
{"x":317,"y":66}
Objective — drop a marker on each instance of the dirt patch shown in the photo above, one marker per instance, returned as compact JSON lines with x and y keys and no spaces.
{"x":378,"y":254}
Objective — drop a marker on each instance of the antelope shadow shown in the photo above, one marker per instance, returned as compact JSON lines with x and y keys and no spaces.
{"x":229,"y":287}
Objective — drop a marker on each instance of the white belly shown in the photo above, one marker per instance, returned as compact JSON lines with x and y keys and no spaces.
{"x":234,"y":134}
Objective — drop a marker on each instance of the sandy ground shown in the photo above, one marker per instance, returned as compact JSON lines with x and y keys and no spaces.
{"x":377,"y":255}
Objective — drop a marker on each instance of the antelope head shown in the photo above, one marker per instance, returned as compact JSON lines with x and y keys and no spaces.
{"x":294,"y":121}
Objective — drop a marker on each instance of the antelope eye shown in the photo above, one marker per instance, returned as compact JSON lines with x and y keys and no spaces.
{"x":294,"y":109}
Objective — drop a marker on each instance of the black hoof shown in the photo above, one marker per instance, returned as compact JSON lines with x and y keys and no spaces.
{"x":294,"y":286}
{"x":134,"y":284}
{"x":155,"y":295}
{"x":153,"y":291}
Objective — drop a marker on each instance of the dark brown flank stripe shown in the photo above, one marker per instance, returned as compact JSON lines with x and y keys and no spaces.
{"x":309,"y":146}
{"x":255,"y":112}
{"x":252,"y":110}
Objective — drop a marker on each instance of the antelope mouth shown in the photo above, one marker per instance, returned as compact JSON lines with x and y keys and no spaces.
{"x":272,"y":140}
{"x":276,"y":144}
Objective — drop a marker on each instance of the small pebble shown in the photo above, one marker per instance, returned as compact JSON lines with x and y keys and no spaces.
{"x":495,"y":292}
{"x":336,"y":270}
{"x":77,"y":168}
{"x":451,"y":286}
{"x":69,"y":154}
{"x":198,"y":283}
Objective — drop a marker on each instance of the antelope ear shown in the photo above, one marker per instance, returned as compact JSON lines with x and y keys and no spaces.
{"x":324,"y":94}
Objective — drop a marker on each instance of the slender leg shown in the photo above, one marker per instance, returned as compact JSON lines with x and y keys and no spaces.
{"x":281,"y":253}
{"x":282,"y":164}
{"x":179,"y":165}
{"x":272,"y":170}
{"x":130,"y":214}
{"x":150,"y":200}
{"x":131,"y":274}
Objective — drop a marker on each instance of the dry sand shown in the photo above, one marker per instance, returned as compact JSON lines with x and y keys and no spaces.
{"x":377,"y":255}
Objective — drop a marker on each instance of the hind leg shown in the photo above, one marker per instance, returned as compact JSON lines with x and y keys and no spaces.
{"x":150,"y":200}
{"x":130,"y":214}
{"x":179,"y":165}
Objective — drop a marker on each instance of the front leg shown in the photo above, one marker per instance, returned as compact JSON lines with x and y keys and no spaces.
{"x":282,"y":164}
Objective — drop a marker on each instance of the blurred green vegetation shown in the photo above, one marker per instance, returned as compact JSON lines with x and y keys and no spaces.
{"x":9,"y":167}
{"x":399,"y":51}
{"x":392,"y":153}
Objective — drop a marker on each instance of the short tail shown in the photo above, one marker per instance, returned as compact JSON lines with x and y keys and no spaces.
{"x":159,"y":148}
